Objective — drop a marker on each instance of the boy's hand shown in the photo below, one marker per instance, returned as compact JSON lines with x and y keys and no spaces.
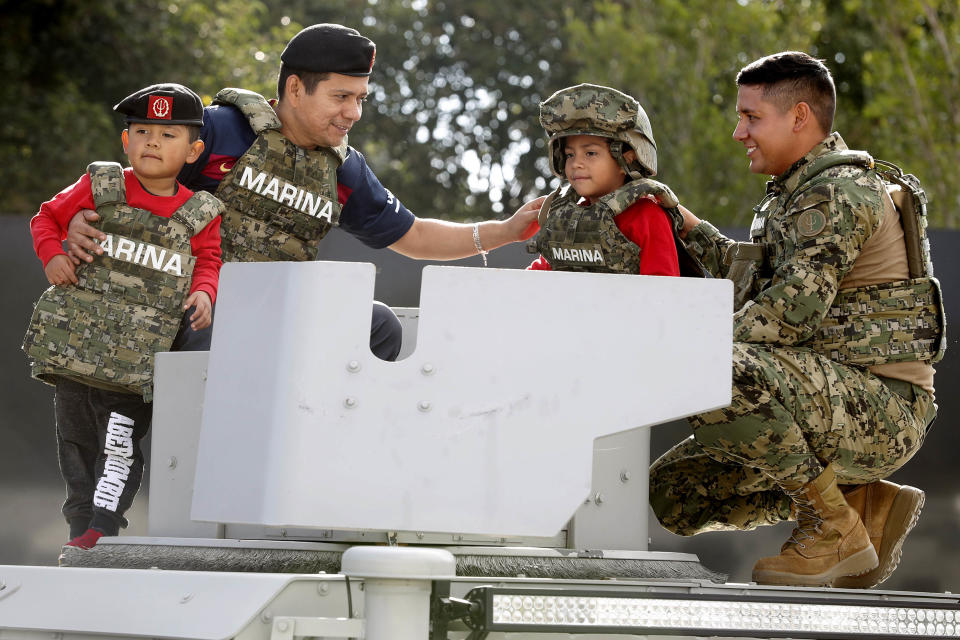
{"x":82,"y":238}
{"x":201,"y":317}
{"x":60,"y":271}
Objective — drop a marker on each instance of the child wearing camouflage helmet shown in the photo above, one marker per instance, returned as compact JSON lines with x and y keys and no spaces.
{"x":606,"y":219}
{"x":93,"y":334}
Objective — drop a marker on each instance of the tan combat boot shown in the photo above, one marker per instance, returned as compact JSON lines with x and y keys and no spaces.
{"x":889,"y":511}
{"x":829,"y":541}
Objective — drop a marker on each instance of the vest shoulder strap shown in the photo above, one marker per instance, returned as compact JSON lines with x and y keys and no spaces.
{"x":545,"y":207}
{"x":197,"y":212}
{"x":106,"y":182}
{"x":253,"y":106}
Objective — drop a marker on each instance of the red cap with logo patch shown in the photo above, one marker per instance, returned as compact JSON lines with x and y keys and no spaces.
{"x":167,"y":103}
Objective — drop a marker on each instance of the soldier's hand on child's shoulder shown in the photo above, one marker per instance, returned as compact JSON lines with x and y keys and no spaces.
{"x":60,"y":271}
{"x":82,"y":239}
{"x":201,"y":318}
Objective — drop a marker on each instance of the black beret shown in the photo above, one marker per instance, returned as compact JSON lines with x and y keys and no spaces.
{"x":330,"y":48}
{"x":167,"y":103}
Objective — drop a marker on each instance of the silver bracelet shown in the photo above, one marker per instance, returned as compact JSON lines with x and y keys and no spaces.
{"x":476,"y":242}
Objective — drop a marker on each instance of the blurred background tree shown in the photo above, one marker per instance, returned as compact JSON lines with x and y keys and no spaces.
{"x":451,"y":126}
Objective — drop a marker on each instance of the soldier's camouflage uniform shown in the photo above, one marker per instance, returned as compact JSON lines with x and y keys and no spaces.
{"x":799,"y":403}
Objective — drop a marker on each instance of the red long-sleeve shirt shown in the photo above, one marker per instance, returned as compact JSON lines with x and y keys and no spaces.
{"x":49,"y":226}
{"x":648,"y":226}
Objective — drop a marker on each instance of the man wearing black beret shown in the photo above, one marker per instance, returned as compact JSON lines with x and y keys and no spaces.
{"x":286,"y":174}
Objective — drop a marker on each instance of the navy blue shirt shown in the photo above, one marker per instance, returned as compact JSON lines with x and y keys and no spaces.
{"x":370,"y":212}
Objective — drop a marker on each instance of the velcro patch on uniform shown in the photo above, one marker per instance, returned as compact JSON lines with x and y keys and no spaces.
{"x":811,"y":222}
{"x":578,"y":253}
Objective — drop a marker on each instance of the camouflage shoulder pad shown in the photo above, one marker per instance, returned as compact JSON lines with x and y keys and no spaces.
{"x":631,"y":192}
{"x":254,"y":106}
{"x":837,"y":158}
{"x":197,"y":212}
{"x":106,"y":182}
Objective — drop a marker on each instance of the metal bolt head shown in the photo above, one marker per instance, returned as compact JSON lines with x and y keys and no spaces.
{"x":424,"y":406}
{"x":427,"y":369}
{"x":172,"y":462}
{"x":624,"y":475}
{"x":323,"y":588}
{"x":353,"y":366}
{"x":598,"y":499}
{"x":350,"y":402}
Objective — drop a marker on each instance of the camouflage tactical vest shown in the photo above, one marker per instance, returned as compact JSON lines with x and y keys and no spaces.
{"x":578,"y":238}
{"x":891,"y":322}
{"x":128,"y":303}
{"x":280,"y":199}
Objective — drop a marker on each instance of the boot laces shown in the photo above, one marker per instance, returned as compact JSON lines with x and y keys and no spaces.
{"x":808,"y":518}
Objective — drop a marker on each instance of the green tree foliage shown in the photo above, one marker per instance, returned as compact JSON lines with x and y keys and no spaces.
{"x":895,"y":64}
{"x":451,"y":125}
{"x":66,"y":62}
{"x":680,"y":59}
{"x":911,"y":84}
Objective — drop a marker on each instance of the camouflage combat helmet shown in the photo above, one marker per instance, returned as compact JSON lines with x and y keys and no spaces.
{"x":590,"y":109}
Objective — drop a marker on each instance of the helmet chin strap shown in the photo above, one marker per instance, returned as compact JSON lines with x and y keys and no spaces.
{"x":616,"y":150}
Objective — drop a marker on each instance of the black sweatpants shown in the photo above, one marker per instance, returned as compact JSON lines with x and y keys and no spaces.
{"x":98,"y":446}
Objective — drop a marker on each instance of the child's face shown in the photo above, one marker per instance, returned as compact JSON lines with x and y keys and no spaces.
{"x":159,"y":151}
{"x":590,"y":167}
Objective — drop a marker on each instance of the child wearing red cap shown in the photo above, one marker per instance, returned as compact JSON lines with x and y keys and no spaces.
{"x":94,"y":332}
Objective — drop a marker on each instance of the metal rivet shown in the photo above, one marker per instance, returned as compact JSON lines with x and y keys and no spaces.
{"x":427,"y":369}
{"x":424,"y":405}
{"x":323,"y":588}
{"x":282,"y":625}
{"x":172,"y":462}
{"x":350,"y":402}
{"x":267,"y":616}
{"x":353,"y":366}
{"x":624,"y":475}
{"x":598,"y":498}
{"x":419,"y":535}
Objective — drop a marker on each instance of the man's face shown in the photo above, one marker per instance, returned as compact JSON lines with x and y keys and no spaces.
{"x":767,"y":133}
{"x":325,"y":116}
